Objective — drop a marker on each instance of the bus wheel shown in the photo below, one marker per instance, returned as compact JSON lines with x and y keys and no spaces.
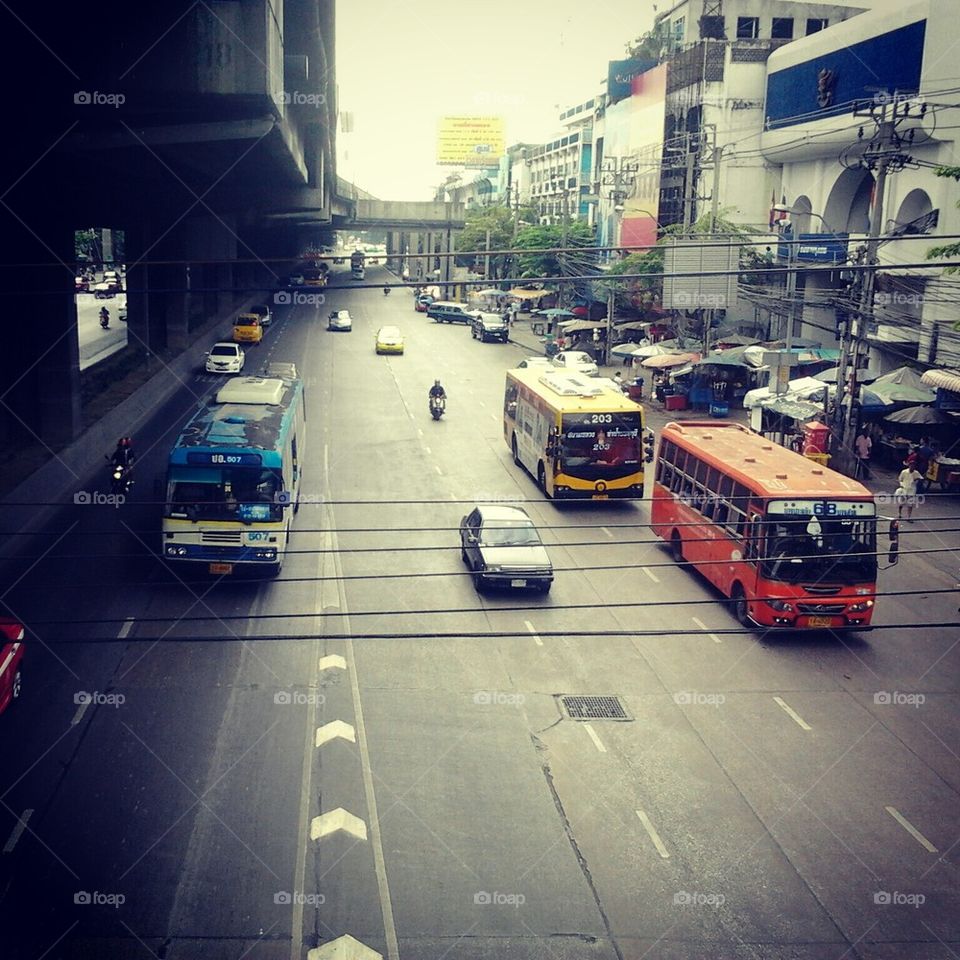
{"x":676,"y":547}
{"x":740,"y":608}
{"x":516,"y":452}
{"x":541,"y":477}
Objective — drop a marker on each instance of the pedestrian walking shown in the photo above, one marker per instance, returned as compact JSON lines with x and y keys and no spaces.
{"x":906,"y":492}
{"x":862,"y":447}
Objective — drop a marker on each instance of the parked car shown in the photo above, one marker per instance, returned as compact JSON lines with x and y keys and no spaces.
{"x":11,"y":660}
{"x":225,"y":357}
{"x":104,"y":289}
{"x":446,"y":311}
{"x":263,"y":311}
{"x":422,"y":302}
{"x":81,"y":285}
{"x":489,"y":326}
{"x":296,"y":280}
{"x":576,"y":360}
{"x":502,"y":547}
{"x":340,"y":320}
{"x":389,"y":340}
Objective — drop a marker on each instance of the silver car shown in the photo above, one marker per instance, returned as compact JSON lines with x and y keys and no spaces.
{"x":577,"y":361}
{"x":225,"y":357}
{"x":339,"y":320}
{"x":501,"y":546}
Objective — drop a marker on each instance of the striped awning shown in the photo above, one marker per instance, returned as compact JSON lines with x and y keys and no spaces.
{"x":942,"y":380}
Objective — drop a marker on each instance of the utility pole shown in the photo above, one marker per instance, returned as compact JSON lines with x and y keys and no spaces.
{"x":882,"y":155}
{"x":618,"y":173}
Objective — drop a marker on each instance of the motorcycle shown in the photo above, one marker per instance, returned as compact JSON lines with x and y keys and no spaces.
{"x":437,"y":407}
{"x":120,"y":479}
{"x":386,"y":291}
{"x":104,"y":320}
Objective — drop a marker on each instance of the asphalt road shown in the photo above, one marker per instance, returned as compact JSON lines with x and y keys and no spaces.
{"x":95,"y":342}
{"x":764,"y":798}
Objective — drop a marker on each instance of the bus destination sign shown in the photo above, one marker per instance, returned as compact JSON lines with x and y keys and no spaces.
{"x":822,"y":508}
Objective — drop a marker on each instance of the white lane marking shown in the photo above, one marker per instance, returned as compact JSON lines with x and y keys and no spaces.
{"x":437,"y":468}
{"x":494,"y":417}
{"x":454,"y":497}
{"x":418,"y":428}
{"x":597,"y":742}
{"x":125,"y":628}
{"x":534,"y":633}
{"x":607,"y":532}
{"x":81,"y":710}
{"x":333,"y":730}
{"x":15,"y":834}
{"x":703,"y":627}
{"x":790,"y":712}
{"x":428,"y":450}
{"x":654,"y":836}
{"x":332,"y":661}
{"x":911,"y":829}
{"x":336,"y":820}
{"x":651,"y":575}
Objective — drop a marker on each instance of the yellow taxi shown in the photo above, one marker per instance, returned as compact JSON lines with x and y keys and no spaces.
{"x":389,"y":340}
{"x":247,"y":328}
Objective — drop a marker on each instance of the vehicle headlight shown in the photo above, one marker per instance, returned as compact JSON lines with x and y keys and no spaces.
{"x":494,"y":568}
{"x":782,"y":605}
{"x":860,"y":607}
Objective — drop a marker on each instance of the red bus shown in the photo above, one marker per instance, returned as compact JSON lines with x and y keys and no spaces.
{"x":11,"y":656}
{"x":791,"y":542}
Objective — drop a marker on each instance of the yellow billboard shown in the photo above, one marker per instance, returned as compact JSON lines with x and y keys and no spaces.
{"x":470,"y":141}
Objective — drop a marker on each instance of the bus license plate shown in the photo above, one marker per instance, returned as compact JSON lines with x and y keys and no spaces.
{"x":221,"y":568}
{"x":601,"y":496}
{"x":518,"y":583}
{"x":820,"y":621}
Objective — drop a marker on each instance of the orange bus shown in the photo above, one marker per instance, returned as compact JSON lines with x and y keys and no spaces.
{"x":791,"y":542}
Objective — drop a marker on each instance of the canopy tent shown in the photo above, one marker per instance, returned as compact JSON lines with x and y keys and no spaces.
{"x":575,"y":326}
{"x":554,"y":312}
{"x":736,"y":340}
{"x":803,"y":388}
{"x":490,"y":292}
{"x":522,"y":294}
{"x":792,"y":408}
{"x":918,"y":415}
{"x":830,"y":375}
{"x":735,"y":357}
{"x":625,"y":350}
{"x":633,"y":325}
{"x":902,"y":385}
{"x":651,"y":350}
{"x":669,"y":360}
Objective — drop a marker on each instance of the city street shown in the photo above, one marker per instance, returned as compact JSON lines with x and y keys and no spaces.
{"x":96,"y":343}
{"x":168,"y":772}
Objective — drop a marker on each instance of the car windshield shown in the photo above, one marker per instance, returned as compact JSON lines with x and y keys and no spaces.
{"x":503,"y":533}
{"x":232,"y":493}
{"x":224,"y":351}
{"x":820,"y":550}
{"x":600,"y":439}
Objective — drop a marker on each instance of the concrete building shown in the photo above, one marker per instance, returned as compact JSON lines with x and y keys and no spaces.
{"x":881,"y":84}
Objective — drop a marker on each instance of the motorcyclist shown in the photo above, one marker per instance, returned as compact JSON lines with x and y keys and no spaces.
{"x":386,"y":291}
{"x":123,"y":454}
{"x":104,"y":317}
{"x":437,"y":391}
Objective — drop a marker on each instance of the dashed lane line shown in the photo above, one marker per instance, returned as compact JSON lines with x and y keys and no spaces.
{"x":650,"y":574}
{"x":536,"y":636}
{"x":654,"y":836}
{"x":911,"y":829}
{"x":17,"y":831}
{"x":704,"y":628}
{"x":597,"y":742}
{"x":790,"y":712}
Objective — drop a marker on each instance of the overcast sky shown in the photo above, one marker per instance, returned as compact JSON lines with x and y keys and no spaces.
{"x":403,"y":64}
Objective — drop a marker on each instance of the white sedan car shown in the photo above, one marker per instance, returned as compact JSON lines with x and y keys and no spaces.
{"x":225,"y":357}
{"x":577,"y":361}
{"x":339,"y":320}
{"x":534,"y":362}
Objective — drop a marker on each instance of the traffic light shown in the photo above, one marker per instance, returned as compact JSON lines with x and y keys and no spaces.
{"x":648,"y":446}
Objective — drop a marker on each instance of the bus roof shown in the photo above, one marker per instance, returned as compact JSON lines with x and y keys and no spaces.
{"x":574,"y":392}
{"x":249,"y":413}
{"x":764,"y":467}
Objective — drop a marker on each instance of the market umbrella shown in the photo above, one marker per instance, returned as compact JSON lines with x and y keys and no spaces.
{"x":925,"y":415}
{"x":574,"y":326}
{"x":669,"y":360}
{"x":489,"y":292}
{"x":522,"y":294}
{"x":830,"y":375}
{"x":555,"y":312}
{"x":737,"y":340}
{"x":625,"y":350}
{"x":902,"y":385}
{"x":651,"y":350}
{"x":792,"y":408}
{"x":632,"y":325}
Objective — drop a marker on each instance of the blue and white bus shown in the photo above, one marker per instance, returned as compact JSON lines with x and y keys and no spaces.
{"x":233,"y":478}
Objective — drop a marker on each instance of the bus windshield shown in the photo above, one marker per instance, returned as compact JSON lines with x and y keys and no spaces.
{"x":820,"y":550}
{"x":246,"y":494}
{"x":592,"y":443}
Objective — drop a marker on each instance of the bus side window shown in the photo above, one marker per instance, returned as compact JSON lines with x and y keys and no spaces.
{"x":751,"y":534}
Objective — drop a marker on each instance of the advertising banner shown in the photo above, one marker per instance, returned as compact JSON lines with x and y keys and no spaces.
{"x":470,"y":141}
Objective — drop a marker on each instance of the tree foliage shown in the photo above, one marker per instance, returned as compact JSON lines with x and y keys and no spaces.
{"x":499,"y":220}
{"x":545,"y":238}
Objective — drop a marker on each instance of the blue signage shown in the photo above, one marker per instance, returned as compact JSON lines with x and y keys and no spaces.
{"x":817,"y":248}
{"x":828,"y":83}
{"x":621,"y":73}
{"x":225,"y":459}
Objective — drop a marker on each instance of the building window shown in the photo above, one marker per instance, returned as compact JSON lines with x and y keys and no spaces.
{"x":748,"y":28}
{"x":816,"y":24}
{"x":782,"y":28}
{"x":679,"y":28}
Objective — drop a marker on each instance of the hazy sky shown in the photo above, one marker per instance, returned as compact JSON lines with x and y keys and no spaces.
{"x":402,"y":64}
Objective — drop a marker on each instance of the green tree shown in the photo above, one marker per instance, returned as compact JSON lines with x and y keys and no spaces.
{"x":543,"y":240}
{"x":499,"y":221}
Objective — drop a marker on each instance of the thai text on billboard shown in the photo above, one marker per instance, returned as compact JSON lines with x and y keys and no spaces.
{"x":470,"y":141}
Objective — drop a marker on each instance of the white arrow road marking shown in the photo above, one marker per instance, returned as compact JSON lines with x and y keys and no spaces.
{"x":344,"y":948}
{"x":790,"y":712}
{"x":333,"y":729}
{"x":17,"y":831}
{"x":332,"y":662}
{"x":339,"y":819}
{"x":597,"y":742}
{"x":911,"y":829}
{"x":654,"y":836}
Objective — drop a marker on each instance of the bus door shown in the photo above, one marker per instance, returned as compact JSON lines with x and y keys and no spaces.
{"x":753,"y":546}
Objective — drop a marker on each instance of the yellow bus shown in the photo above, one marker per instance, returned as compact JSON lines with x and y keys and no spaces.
{"x":579,"y":436}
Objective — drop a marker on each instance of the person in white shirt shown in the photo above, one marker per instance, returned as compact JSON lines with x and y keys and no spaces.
{"x":862,"y":447}
{"x":907,"y":491}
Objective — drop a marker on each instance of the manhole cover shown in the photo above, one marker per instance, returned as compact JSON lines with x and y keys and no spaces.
{"x":594,"y":708}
